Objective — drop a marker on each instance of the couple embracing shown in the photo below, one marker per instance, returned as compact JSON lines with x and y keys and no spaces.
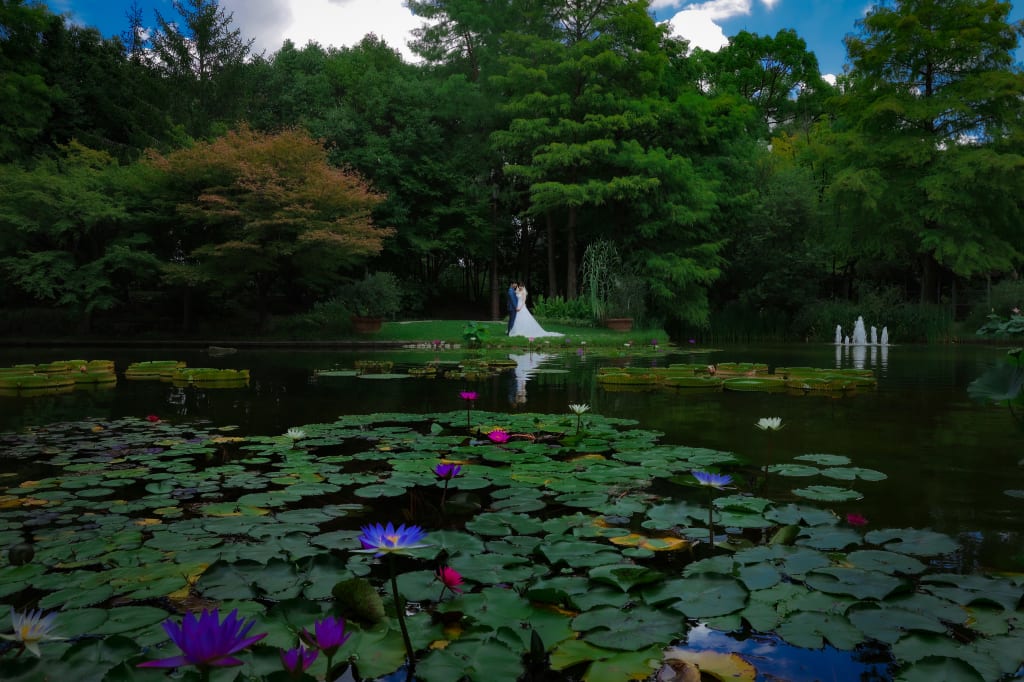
{"x":520,"y":320}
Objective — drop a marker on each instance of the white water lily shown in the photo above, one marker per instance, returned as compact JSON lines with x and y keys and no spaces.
{"x":579,"y":408}
{"x":32,"y":627}
{"x":295,"y":434}
{"x":769,"y":423}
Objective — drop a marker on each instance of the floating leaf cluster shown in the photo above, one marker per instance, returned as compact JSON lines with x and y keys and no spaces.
{"x":592,"y":544}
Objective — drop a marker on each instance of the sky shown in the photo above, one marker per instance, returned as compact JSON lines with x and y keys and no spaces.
{"x":705,"y":23}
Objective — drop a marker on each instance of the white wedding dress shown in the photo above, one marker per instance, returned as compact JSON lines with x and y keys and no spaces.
{"x":525,"y":324}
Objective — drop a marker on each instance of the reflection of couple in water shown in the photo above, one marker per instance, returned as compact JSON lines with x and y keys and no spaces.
{"x":526,"y":365}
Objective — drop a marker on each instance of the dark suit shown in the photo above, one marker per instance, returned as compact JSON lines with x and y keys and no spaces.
{"x":513,"y":303}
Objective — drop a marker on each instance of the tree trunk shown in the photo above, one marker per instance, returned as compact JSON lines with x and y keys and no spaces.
{"x":552,"y":275}
{"x":929,"y":279}
{"x":570,"y":256}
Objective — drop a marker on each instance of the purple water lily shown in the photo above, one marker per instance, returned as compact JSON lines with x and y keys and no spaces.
{"x":206,"y":642}
{"x":297,"y":661}
{"x":713,"y":480}
{"x":447,"y":472}
{"x":328,"y":635}
{"x":382,"y":540}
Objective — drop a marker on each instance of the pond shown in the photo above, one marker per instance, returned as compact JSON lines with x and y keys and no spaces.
{"x":948,"y":460}
{"x":948,"y":463}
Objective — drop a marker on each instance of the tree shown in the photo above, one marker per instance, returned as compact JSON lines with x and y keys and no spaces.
{"x":267,"y":210}
{"x":202,"y":58}
{"x":26,"y":99}
{"x":930,"y":171}
{"x":69,"y":239}
{"x":773,"y":74}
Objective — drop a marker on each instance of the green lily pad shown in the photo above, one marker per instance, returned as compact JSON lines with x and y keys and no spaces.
{"x":828,"y":493}
{"x":912,"y":541}
{"x":825,"y":460}
{"x":855,"y":582}
{"x":640,"y":627}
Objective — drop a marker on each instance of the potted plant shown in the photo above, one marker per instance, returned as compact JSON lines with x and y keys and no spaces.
{"x":373,"y":298}
{"x":616,"y":294}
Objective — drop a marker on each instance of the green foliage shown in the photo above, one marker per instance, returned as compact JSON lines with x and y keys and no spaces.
{"x":557,"y":309}
{"x":475,"y":335}
{"x":376,"y":295}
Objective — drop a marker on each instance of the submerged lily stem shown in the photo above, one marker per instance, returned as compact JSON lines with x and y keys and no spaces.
{"x":400,"y":612}
{"x":711,"y":518}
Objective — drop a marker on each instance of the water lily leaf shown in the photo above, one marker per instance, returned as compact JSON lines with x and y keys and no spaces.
{"x":247,"y":579}
{"x":759,"y":576}
{"x":503,"y":523}
{"x":625,"y":576}
{"x":931,"y":668}
{"x":579,"y":554}
{"x":829,"y":537}
{"x":795,"y":515}
{"x":793,"y":470}
{"x":912,"y":541}
{"x":974,"y":589}
{"x":886,"y":562}
{"x":827,"y":493}
{"x":825,"y":460}
{"x":921,"y":647}
{"x":630,"y":630}
{"x":471,"y":660}
{"x":380,"y":490}
{"x":700,"y":596}
{"x":665,"y":516}
{"x":1019,"y":494}
{"x":126,"y":620}
{"x":811,"y":629}
{"x":1000,"y":383}
{"x":606,"y":665}
{"x":792,"y":561}
{"x":854,"y":582}
{"x":720,"y":665}
{"x":496,"y":568}
{"x":887,"y":623}
{"x":853,"y":473}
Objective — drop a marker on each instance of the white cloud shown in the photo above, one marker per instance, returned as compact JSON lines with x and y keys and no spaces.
{"x":698,"y":22}
{"x":335,"y":23}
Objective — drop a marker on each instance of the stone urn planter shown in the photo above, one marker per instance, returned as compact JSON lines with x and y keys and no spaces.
{"x":366,"y":325}
{"x":619,"y":324}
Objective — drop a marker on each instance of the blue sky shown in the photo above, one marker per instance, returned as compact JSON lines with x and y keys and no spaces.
{"x":708,"y":23}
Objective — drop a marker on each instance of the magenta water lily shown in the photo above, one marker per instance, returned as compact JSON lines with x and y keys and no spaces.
{"x":381,"y":539}
{"x":206,"y":642}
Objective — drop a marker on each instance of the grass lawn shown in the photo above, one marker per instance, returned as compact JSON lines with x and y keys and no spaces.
{"x":451,"y":332}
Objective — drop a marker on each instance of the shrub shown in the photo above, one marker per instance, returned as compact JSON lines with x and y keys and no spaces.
{"x":557,"y":309}
{"x":376,"y":295}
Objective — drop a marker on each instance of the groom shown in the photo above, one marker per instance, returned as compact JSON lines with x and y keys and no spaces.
{"x":513,"y":304}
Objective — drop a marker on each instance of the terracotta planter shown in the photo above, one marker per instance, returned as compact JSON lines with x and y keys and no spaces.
{"x":366,"y":325}
{"x":619,"y":324}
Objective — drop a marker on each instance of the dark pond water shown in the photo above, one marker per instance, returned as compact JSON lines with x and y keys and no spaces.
{"x":949,"y":461}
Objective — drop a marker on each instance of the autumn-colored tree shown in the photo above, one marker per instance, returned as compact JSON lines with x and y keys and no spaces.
{"x":263,"y":211}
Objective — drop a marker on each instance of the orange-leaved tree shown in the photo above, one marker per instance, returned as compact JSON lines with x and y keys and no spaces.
{"x":265,"y":213}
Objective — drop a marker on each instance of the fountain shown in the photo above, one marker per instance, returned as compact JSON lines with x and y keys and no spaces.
{"x":860,"y":337}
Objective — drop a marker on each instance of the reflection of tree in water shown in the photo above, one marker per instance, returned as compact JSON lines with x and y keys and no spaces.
{"x":526,"y":366}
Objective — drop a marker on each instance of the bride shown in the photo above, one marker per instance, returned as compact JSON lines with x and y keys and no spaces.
{"x":525,"y":324}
